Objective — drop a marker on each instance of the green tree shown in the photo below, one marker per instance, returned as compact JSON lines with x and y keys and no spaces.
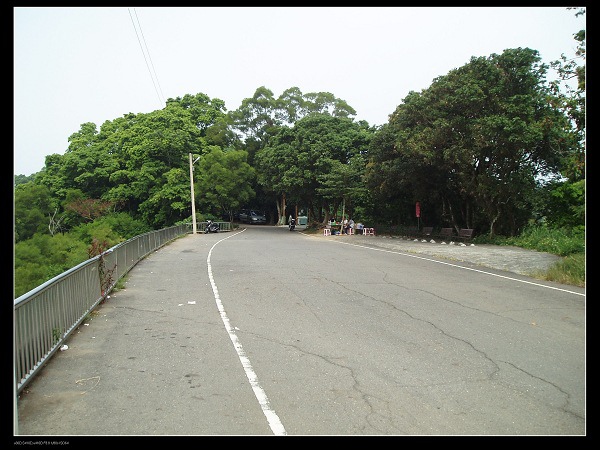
{"x":256,"y":118}
{"x":276,"y":170}
{"x":298,"y":162}
{"x":169,"y":201}
{"x":572,"y":99}
{"x":262,"y":116}
{"x":33,"y":209}
{"x":22,"y":179}
{"x":564,"y":204}
{"x":85,"y":166}
{"x":291,"y":106}
{"x":137,"y":162}
{"x":564,"y":196}
{"x":326,"y":102}
{"x":479,"y":138}
{"x":223,"y":181}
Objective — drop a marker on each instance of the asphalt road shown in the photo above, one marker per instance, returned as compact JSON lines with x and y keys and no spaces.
{"x":265,"y":332}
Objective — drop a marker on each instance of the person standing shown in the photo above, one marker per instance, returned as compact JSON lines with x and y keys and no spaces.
{"x":350,"y":226}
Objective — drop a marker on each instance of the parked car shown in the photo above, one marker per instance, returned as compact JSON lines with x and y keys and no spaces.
{"x":252,"y":216}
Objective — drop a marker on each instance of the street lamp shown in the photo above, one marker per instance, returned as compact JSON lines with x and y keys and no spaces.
{"x":192,"y":193}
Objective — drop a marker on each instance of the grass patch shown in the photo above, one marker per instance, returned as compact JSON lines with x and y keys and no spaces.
{"x":565,"y":242}
{"x":571,"y":270}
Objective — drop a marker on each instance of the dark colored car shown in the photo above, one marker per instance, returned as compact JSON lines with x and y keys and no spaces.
{"x":252,"y":216}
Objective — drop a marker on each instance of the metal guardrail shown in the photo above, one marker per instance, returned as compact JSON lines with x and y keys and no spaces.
{"x":223,"y":226}
{"x":46,"y":316}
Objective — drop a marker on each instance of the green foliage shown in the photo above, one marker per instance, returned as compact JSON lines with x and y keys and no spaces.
{"x":33,"y":207}
{"x":572,"y":101}
{"x":139,"y":162}
{"x":29,"y":275}
{"x":471,"y":146}
{"x":169,"y":201}
{"x":43,"y":257}
{"x":558,"y":241}
{"x":319,"y":162}
{"x":123,"y":225}
{"x":56,"y":335}
{"x":98,"y":230}
{"x":223,"y":181}
{"x":571,"y":270}
{"x":564,"y":204}
{"x":566,"y":242}
{"x":256,"y":117}
{"x":22,"y":179}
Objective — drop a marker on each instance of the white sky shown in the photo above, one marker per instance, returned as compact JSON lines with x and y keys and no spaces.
{"x":84,"y":64}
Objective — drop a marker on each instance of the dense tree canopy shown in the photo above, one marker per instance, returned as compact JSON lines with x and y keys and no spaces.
{"x":139,"y":162}
{"x":305,"y":164}
{"x":473,"y":146}
{"x":224,"y":182}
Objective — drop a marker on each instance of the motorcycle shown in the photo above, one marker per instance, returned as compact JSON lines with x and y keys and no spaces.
{"x":292,"y":224}
{"x":211,"y":227}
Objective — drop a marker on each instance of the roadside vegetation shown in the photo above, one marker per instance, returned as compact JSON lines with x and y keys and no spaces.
{"x":566,"y":242}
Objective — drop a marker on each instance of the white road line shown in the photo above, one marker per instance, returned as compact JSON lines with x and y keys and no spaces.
{"x":455,"y":265}
{"x":261,"y":396}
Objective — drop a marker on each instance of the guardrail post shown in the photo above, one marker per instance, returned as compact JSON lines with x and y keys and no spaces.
{"x":16,"y":413}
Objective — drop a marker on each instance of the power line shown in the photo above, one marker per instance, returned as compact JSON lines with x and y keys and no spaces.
{"x":152,"y":72}
{"x":149,"y":57}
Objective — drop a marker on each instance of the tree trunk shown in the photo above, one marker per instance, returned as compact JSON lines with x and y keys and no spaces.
{"x":281,"y":212}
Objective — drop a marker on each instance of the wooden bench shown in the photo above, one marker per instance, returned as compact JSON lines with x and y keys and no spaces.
{"x":465,"y":234}
{"x":446,"y":233}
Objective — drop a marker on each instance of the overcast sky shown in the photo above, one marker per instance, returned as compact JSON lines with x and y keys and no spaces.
{"x":74,"y":65}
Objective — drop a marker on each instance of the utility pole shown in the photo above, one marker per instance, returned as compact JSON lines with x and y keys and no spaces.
{"x":192,"y":193}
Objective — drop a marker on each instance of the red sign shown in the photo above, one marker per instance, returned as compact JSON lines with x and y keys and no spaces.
{"x":418,"y":209}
